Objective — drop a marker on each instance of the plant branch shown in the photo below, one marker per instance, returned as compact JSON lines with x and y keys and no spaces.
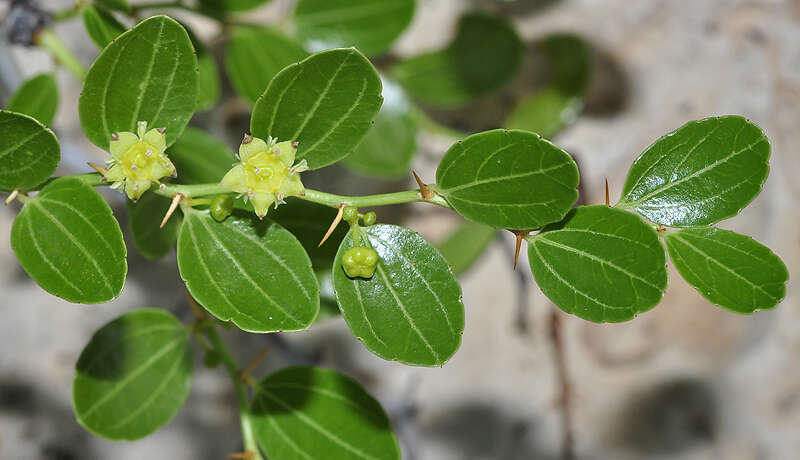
{"x":384,"y":199}
{"x":49,"y":41}
{"x":565,"y":398}
{"x":248,"y":433}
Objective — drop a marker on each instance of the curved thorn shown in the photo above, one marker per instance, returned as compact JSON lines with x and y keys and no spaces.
{"x":424,"y":191}
{"x":335,"y":222}
{"x":172,"y":207}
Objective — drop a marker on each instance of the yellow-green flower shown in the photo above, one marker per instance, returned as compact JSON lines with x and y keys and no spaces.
{"x":137,"y":160}
{"x":265,"y":173}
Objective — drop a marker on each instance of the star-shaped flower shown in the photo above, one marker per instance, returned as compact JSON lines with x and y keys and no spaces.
{"x":137,"y":160}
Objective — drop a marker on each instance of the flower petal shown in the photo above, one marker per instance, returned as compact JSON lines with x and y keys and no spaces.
{"x":156,"y":139}
{"x":114,"y":174}
{"x":251,"y":148}
{"x":261,"y":202}
{"x":286,"y":152}
{"x":124,"y":141}
{"x":235,"y":179}
{"x":135,"y":189}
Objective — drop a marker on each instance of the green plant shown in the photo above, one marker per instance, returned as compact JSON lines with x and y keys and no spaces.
{"x":247,"y":263}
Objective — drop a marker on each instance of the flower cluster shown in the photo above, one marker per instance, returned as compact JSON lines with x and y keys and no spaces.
{"x":138,"y":160}
{"x":265,"y":173}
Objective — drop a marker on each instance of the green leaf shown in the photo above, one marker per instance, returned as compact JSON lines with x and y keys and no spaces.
{"x":148,"y":73}
{"x":326,"y":102}
{"x":144,"y":220}
{"x":464,"y":245}
{"x":200,"y":158}
{"x":134,"y":375}
{"x":308,"y":222}
{"x":701,"y":173}
{"x":370,"y":26}
{"x":119,"y":5}
{"x":485,"y":55}
{"x":231,"y":6}
{"x":546,"y":112}
{"x":29,"y":152}
{"x":101,"y":25}
{"x":314,"y":413}
{"x":388,"y":148}
{"x":37,"y":98}
{"x":730,"y":270}
{"x":600,"y":263}
{"x":508,"y":179}
{"x":254,"y":273}
{"x":255,"y":55}
{"x":68,"y":241}
{"x":410,"y":310}
{"x":208,"y":85}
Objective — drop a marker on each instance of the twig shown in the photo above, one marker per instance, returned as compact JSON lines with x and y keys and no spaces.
{"x":244,"y":374}
{"x":198,"y":312}
{"x":564,"y":400}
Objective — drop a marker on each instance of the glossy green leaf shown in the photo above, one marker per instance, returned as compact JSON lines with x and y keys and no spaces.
{"x":368,"y":25}
{"x":485,"y":55}
{"x":308,"y":222}
{"x":134,"y":375}
{"x":390,"y":145}
{"x":254,"y":273}
{"x":200,"y":158}
{"x":148,"y":73}
{"x":600,"y":263}
{"x":731,"y":270}
{"x":69,"y":242}
{"x":326,"y":102}
{"x":119,"y":5}
{"x":29,"y":152}
{"x":313,"y":413}
{"x":101,"y":25}
{"x":464,"y":245}
{"x":701,"y":173}
{"x":255,"y":55}
{"x":546,"y":112}
{"x":508,"y":179}
{"x":410,"y":310}
{"x":37,"y":98}
{"x":144,"y":221}
{"x":231,"y":6}
{"x":328,"y":308}
{"x":208,"y":85}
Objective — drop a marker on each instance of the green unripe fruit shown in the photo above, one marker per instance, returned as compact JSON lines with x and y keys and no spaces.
{"x":369,"y":218}
{"x":360,"y":262}
{"x":350,"y":214}
{"x":221,"y":207}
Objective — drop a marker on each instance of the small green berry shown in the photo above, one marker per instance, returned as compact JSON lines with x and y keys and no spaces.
{"x":221,"y":207}
{"x":370,"y":218}
{"x":350,"y":214}
{"x":360,"y":262}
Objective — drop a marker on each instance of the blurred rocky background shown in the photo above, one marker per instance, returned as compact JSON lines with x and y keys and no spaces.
{"x":683,"y":381}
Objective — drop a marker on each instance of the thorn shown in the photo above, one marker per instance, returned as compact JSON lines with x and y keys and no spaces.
{"x":114,"y":136}
{"x":12,"y":196}
{"x":608,"y":202}
{"x":520,"y":235}
{"x":248,"y":138}
{"x":244,"y":374}
{"x":172,"y":207}
{"x":161,"y":130}
{"x":196,"y":310}
{"x":335,"y":222}
{"x":424,"y":191}
{"x":246,"y":455}
{"x":98,"y":168}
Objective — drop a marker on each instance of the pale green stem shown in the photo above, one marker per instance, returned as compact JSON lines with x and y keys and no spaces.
{"x":248,"y":432}
{"x":49,"y":41}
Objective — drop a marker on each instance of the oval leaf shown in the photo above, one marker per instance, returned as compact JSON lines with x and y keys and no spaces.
{"x":600,"y":263}
{"x":326,"y":103}
{"x":69,"y":242}
{"x":37,"y":97}
{"x":134,"y":375}
{"x":254,"y":273}
{"x":485,"y":54}
{"x":255,"y":55}
{"x":200,"y":158}
{"x":296,"y":405}
{"x":308,"y":222}
{"x":229,"y":6}
{"x":101,"y":25}
{"x":701,"y":173}
{"x":29,"y":152}
{"x":508,"y":179}
{"x":390,"y":145}
{"x":144,"y":221}
{"x":410,"y":310}
{"x":208,"y":85}
{"x":368,"y":25}
{"x":148,"y":73}
{"x":730,"y":270}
